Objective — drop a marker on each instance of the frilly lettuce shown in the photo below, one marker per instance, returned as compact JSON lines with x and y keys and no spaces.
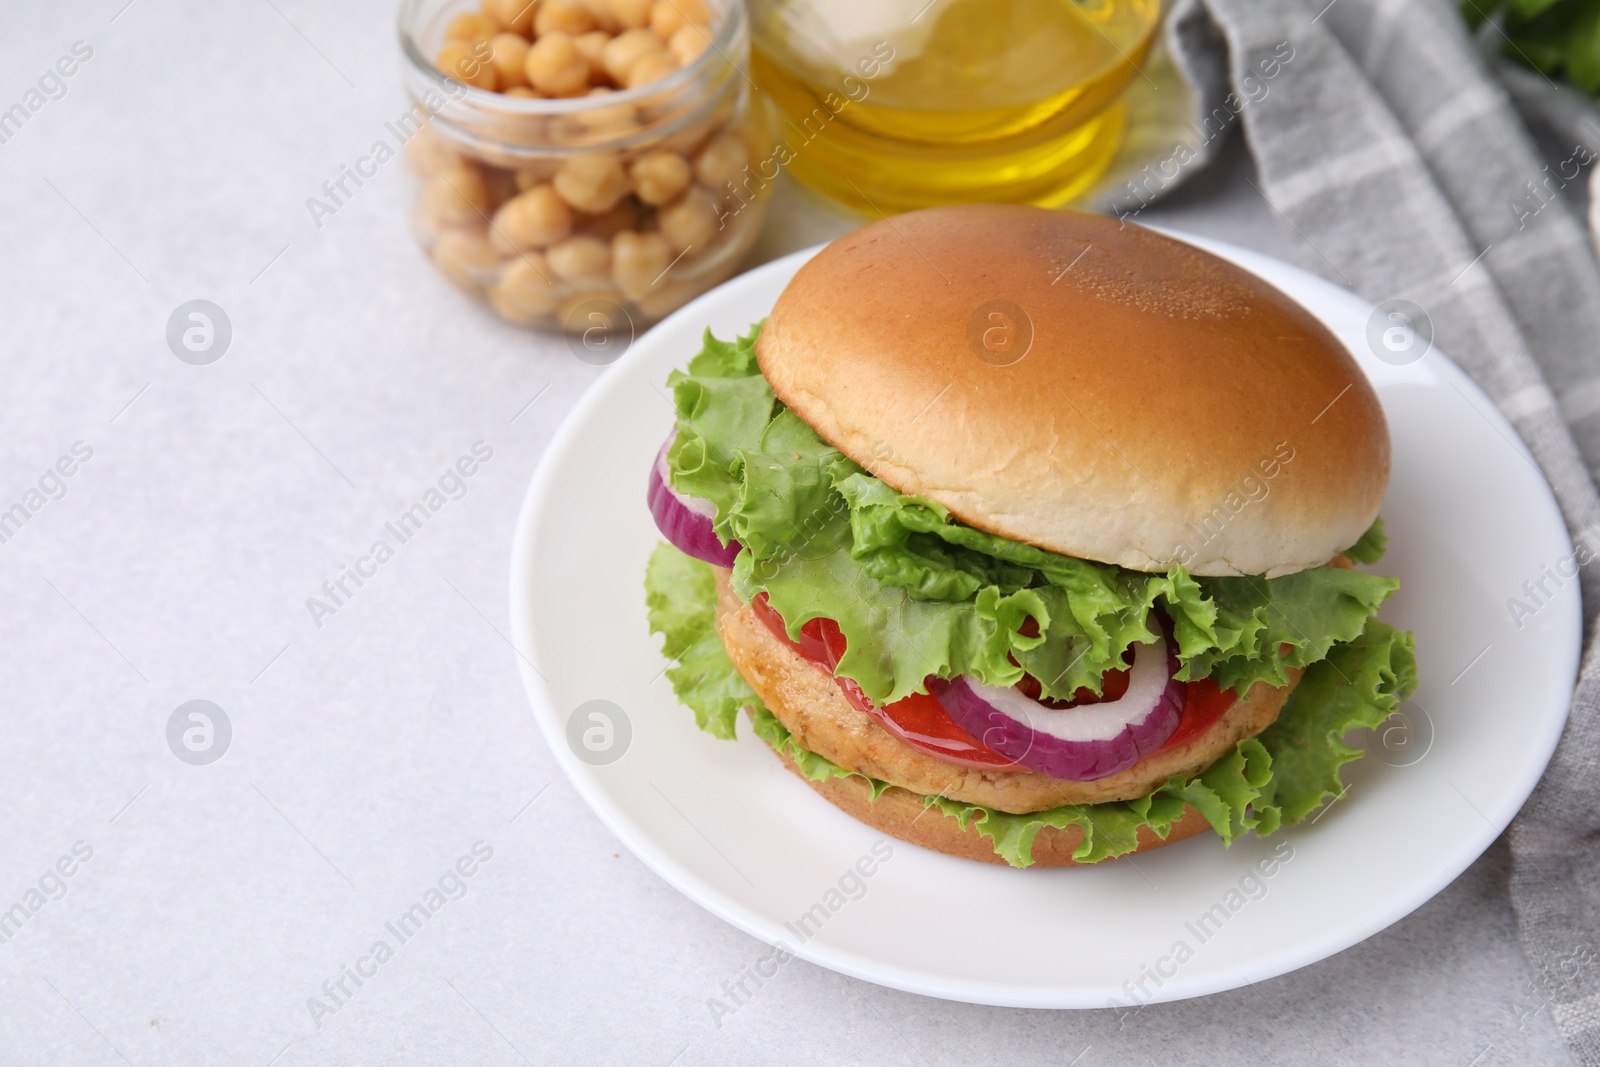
{"x":1264,"y":782}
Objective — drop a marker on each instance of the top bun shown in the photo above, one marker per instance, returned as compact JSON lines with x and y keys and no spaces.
{"x":1086,"y":386}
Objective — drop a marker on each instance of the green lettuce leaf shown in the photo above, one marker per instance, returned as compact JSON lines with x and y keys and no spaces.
{"x":1268,"y":781}
{"x":1370,"y":548}
{"x":1291,"y":621}
{"x":1223,"y":793}
{"x":1361,"y":683}
{"x":918,"y":594}
{"x":681,"y":602}
{"x":723,"y":405}
{"x":1279,"y":777}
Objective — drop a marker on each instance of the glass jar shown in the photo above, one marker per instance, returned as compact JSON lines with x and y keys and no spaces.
{"x":595,"y":212}
{"x":901,"y":104}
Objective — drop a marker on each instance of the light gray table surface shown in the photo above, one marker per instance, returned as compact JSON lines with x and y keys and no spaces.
{"x":370,"y":753}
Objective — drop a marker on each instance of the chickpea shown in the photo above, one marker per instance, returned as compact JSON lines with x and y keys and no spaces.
{"x":626,"y":49}
{"x":429,"y":154}
{"x":568,"y":129}
{"x":564,"y":16}
{"x":631,"y":14}
{"x":721,"y":161}
{"x":604,"y":18}
{"x":691,"y":222}
{"x":555,"y":67}
{"x":470,"y":26}
{"x":693,"y":136}
{"x":667,"y":17}
{"x":467,"y":62}
{"x":637,"y":260}
{"x":607,"y":121}
{"x":651,"y":68}
{"x":580,"y":258}
{"x":526,"y":292}
{"x":658,"y":177}
{"x":522,"y":92}
{"x":592,"y":183}
{"x":532,"y":219}
{"x":625,"y":216}
{"x":465,"y":258}
{"x":500,"y":183}
{"x":591,"y":46}
{"x":688,"y":42}
{"x":513,"y":15}
{"x":457,"y":195}
{"x":535,"y":172}
{"x":508,"y":54}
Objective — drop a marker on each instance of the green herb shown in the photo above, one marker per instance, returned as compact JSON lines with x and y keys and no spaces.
{"x":1558,"y":38}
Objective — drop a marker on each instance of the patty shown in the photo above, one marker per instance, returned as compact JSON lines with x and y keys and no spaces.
{"x":811,"y":706}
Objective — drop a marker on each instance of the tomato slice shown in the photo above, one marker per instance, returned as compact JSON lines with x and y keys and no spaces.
{"x":1114,"y":685}
{"x":919,"y":719}
{"x":1202,"y":707}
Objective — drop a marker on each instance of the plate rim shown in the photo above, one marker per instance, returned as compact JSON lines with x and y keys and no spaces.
{"x":522,"y":607}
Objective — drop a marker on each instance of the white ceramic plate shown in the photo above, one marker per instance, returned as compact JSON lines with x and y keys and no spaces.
{"x":1469,"y":520}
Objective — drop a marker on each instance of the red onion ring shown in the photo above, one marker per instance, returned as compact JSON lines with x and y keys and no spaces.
{"x":686,"y":520}
{"x":1077,"y":744}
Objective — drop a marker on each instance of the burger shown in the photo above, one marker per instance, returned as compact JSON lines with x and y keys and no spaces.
{"x":1031,"y":537}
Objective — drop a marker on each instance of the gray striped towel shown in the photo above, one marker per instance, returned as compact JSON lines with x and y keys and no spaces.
{"x":1412,"y":164}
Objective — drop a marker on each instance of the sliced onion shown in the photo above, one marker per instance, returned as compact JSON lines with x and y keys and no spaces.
{"x":686,"y":520}
{"x":1076,"y":744}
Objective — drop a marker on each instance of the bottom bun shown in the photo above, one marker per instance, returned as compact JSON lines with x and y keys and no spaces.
{"x":902,"y":814}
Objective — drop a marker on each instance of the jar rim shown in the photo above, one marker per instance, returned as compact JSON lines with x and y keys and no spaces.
{"x":714,"y":55}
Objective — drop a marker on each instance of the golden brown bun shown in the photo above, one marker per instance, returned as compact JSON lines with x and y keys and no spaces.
{"x":811,"y":707}
{"x":901,"y":814}
{"x":1170,"y":407}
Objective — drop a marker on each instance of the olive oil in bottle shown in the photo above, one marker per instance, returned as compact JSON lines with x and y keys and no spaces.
{"x":890,"y":105}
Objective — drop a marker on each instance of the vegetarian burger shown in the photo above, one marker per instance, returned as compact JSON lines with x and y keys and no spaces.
{"x":1029,"y":536}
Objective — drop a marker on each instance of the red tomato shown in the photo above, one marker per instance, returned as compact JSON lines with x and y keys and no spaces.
{"x":1114,"y":684}
{"x":1202,"y":707}
{"x":919,"y":719}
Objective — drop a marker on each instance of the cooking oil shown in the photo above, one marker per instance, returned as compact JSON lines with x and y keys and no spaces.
{"x":892,"y":105}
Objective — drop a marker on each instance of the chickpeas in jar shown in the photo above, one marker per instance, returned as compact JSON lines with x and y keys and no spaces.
{"x":576,"y":154}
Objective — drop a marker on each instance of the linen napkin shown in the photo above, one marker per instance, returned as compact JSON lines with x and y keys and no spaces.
{"x":1388,"y":140}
